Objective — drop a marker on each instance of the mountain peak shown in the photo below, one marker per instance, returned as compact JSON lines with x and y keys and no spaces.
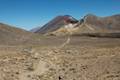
{"x":56,"y":23}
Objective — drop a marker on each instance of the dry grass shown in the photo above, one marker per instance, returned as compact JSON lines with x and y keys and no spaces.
{"x":84,"y":58}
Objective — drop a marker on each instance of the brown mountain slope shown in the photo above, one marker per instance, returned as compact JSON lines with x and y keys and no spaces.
{"x":9,"y":34}
{"x":111,"y":23}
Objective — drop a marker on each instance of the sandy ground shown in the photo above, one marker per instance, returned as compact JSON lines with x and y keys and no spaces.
{"x":81,"y":58}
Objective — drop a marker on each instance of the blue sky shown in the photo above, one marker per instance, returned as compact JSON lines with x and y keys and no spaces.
{"x":28,"y":14}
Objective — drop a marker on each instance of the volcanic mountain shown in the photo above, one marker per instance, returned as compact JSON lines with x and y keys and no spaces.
{"x":55,"y":24}
{"x":90,"y":24}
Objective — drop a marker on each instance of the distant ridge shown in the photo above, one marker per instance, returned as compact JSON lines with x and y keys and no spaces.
{"x":108,"y":24}
{"x":99,"y":26}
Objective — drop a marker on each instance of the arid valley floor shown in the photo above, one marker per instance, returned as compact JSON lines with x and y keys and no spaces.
{"x":82,"y":58}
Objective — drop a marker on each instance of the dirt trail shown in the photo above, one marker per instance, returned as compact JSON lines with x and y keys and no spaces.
{"x":69,"y":30}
